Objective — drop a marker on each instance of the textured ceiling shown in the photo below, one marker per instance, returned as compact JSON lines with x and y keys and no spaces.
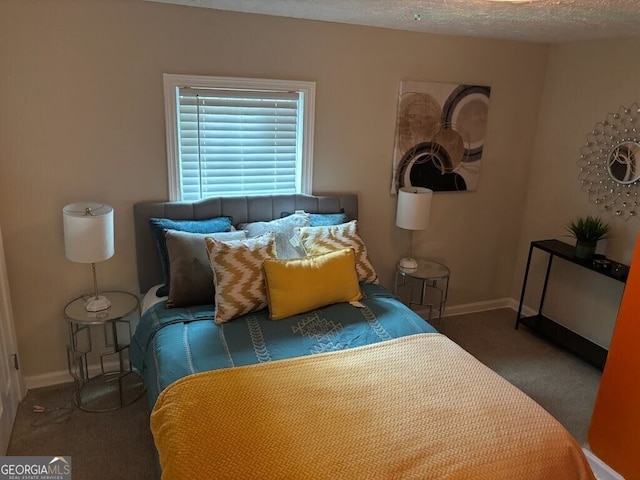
{"x":546,"y":21}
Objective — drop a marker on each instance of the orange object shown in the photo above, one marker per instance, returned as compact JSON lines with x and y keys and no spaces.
{"x":614,"y":433}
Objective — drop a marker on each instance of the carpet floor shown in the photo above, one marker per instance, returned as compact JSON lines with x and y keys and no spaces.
{"x":118,"y":444}
{"x":562,"y":383}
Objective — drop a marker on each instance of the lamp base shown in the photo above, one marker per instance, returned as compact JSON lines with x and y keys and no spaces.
{"x":97,"y":304}
{"x":408,"y":263}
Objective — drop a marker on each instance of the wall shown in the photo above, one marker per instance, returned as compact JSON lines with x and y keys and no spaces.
{"x":81,"y":118}
{"x":584,"y":82}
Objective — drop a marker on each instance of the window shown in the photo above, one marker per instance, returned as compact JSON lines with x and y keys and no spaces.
{"x":238,"y":136}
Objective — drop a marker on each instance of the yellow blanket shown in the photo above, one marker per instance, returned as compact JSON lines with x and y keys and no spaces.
{"x":415,"y":407}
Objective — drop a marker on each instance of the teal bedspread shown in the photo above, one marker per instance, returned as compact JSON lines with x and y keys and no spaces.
{"x":171,"y":343}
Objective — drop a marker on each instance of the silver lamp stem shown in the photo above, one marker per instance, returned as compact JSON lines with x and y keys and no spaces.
{"x":95,"y":281}
{"x":98,"y":302}
{"x":410,"y":244}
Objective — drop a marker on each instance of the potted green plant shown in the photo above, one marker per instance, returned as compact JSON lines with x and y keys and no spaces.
{"x":587,"y":231}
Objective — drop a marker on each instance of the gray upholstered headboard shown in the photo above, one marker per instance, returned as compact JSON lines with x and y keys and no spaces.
{"x":242,"y":209}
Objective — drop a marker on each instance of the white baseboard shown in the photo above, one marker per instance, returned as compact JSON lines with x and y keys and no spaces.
{"x":467,"y":308}
{"x":601,"y":470}
{"x":62,"y":376}
{"x":478,"y":307}
{"x":47,"y":379}
{"x":482,"y":307}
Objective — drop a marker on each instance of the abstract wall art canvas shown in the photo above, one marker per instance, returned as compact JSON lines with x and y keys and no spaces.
{"x":440,"y":133}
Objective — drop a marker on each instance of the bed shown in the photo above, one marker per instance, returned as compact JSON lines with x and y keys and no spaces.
{"x":330,"y":375}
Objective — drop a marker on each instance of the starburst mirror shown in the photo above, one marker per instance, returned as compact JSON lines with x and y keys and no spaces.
{"x":610,"y":163}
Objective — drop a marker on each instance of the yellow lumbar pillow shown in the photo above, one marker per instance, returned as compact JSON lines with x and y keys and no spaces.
{"x":303,"y":284}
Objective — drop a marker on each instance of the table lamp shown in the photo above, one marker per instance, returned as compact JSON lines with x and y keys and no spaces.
{"x":88,"y":238}
{"x":413,"y":211}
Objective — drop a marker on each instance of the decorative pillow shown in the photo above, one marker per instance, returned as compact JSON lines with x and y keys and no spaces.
{"x":190,"y":275}
{"x":317,"y":240}
{"x":303,"y":284}
{"x":326,"y":219}
{"x":323,"y":219}
{"x":159,"y":225}
{"x":283,"y":228}
{"x":238,"y":275}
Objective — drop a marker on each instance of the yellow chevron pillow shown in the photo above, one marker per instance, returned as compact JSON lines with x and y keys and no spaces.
{"x":317,"y":240}
{"x":237,"y":274}
{"x":303,"y":284}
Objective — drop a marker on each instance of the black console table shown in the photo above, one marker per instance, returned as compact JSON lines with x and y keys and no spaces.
{"x":576,"y":344}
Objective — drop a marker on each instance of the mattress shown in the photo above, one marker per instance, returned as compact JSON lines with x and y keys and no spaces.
{"x":414,"y":407}
{"x":172,"y":343}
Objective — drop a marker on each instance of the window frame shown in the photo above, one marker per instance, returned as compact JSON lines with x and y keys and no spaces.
{"x":173,"y":82}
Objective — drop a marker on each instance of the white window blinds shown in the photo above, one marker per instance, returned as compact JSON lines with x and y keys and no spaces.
{"x":237,"y":142}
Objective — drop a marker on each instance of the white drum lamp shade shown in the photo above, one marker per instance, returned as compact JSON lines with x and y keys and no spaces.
{"x":88,"y":232}
{"x":414,"y":208}
{"x":413,"y":212}
{"x":88,"y":238}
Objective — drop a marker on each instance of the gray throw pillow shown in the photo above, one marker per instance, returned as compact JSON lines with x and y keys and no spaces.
{"x":160,"y":225}
{"x":190,"y":275}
